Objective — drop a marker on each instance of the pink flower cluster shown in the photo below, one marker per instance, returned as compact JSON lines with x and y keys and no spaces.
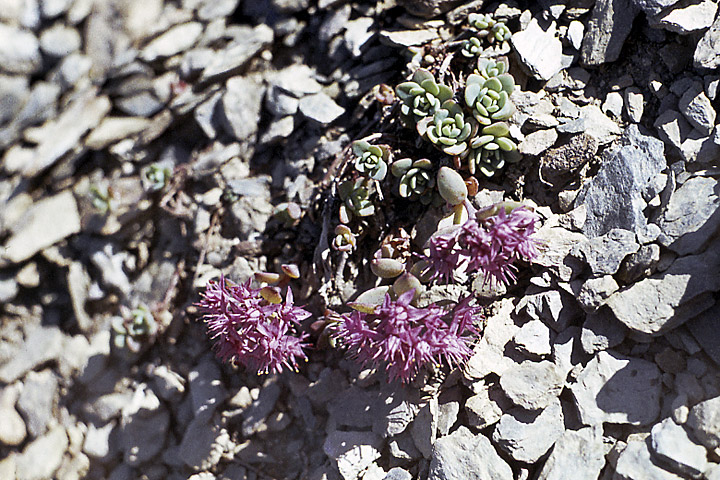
{"x":486,"y":244}
{"x":404,"y":338}
{"x":251,"y":331}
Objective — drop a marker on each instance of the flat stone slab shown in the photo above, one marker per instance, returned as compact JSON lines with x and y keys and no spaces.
{"x":617,"y":389}
{"x":666,"y":300}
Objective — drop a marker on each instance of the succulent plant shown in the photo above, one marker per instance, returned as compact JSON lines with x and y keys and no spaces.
{"x":451,"y":186}
{"x":448,"y":129}
{"x":488,"y":93}
{"x":372,"y":159}
{"x":344,"y":240}
{"x":489,"y":28}
{"x":102,"y":198}
{"x":471,"y":48}
{"x":289,"y":213}
{"x":138,"y":327}
{"x":416,"y":179}
{"x":356,"y":197}
{"x":491,"y":149}
{"x":422,"y":96}
{"x":154,"y":177}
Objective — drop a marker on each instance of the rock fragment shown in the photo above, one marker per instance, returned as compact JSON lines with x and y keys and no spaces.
{"x":698,"y":110}
{"x":540,"y":51}
{"x":666,"y":300}
{"x":50,"y":448}
{"x":635,"y":462}
{"x":686,"y":17}
{"x":577,"y":455}
{"x":704,"y":420}
{"x":527,"y":436}
{"x":352,"y":452}
{"x":463,"y":455}
{"x":617,"y":389}
{"x":532,"y":385}
{"x":671,"y":444}
{"x":609,"y":26}
{"x":47,"y":343}
{"x":605,"y":253}
{"x":613,"y":197}
{"x":707,"y":51}
{"x":320,"y":108}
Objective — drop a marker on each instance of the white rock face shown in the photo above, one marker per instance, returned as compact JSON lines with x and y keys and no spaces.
{"x":577,"y":455}
{"x":532,"y":385}
{"x":463,"y":455}
{"x":670,"y":442}
{"x":617,"y":389}
{"x":527,"y":436}
{"x":540,"y":51}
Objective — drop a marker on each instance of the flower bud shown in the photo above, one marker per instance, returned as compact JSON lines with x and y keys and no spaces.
{"x":451,"y":186}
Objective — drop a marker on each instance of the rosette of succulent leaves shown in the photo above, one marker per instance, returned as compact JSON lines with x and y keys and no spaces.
{"x":372,"y":160}
{"x":489,"y":28}
{"x":421,"y":96}
{"x":487,"y":92}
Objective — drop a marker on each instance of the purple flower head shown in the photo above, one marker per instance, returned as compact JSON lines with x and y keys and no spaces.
{"x":405,"y":338}
{"x":485,"y":243}
{"x":251,"y":331}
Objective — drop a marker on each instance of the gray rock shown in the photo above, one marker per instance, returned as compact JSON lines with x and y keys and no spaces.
{"x":60,"y":41}
{"x":540,"y":51}
{"x":613,"y":197}
{"x":216,"y":9}
{"x":203,"y":444}
{"x":97,"y":440}
{"x":488,"y":354}
{"x":666,"y":300}
{"x":279,"y":102}
{"x":635,"y":462}
{"x":278,"y":130}
{"x":634,"y":104}
{"x":402,"y":448}
{"x":354,"y":408}
{"x":170,"y":386}
{"x":605,"y":253}
{"x":143,"y":434}
{"x":700,"y":148}
{"x":532,"y":385}
{"x":486,"y":408}
{"x":537,"y":142}
{"x":555,"y":308}
{"x":533,"y":339}
{"x":575,"y":32}
{"x":397,"y":473}
{"x":206,"y":388}
{"x":577,"y":455}
{"x":297,"y":80}
{"x":54,"y":8}
{"x":19,"y":51}
{"x":713,"y":473}
{"x":707,"y":52}
{"x":462,"y":455}
{"x":559,"y":163}
{"x":352,"y":452}
{"x":250,"y":41}
{"x":111,"y":265}
{"x":527,"y":436}
{"x":703,"y":329}
{"x":617,"y":389}
{"x":241,"y":104}
{"x":73,"y":70}
{"x":175,"y":40}
{"x":12,"y":429}
{"x":47,"y":343}
{"x":595,"y":291}
{"x":691,"y":218}
{"x":37,"y":401}
{"x":686,"y":17}
{"x":408,"y":38}
{"x":395,"y":409}
{"x":8,"y":288}
{"x":320,"y":108}
{"x":255,"y":415}
{"x":698,"y":110}
{"x":50,"y":448}
{"x":704,"y":420}
{"x":567,"y":351}
{"x":671,"y":445}
{"x":640,"y":264}
{"x":609,"y":26}
{"x":447,"y":416}
{"x":358,"y":33}
{"x":114,"y":129}
{"x":424,"y":428}
{"x":673,"y":128}
{"x":652,"y":7}
{"x":14,"y":92}
{"x":601,"y":331}
{"x":613,"y":104}
{"x":207,"y":115}
{"x":593,"y":122}
{"x":60,"y":136}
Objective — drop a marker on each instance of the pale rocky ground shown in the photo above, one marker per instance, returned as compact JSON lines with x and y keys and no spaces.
{"x":602,"y":362}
